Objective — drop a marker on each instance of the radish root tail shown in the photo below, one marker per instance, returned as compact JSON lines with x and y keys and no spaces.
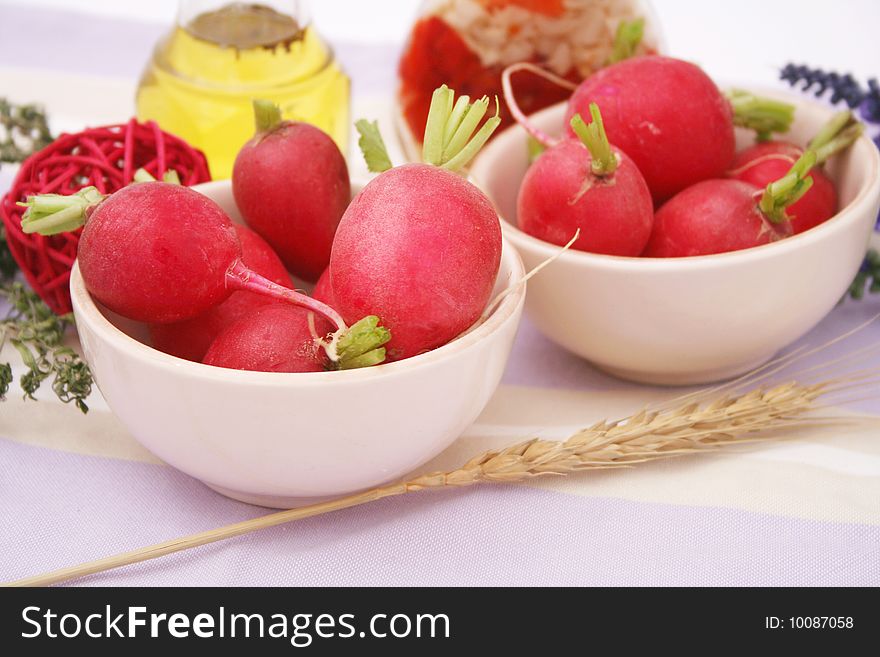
{"x":513,"y":106}
{"x":515,"y":286}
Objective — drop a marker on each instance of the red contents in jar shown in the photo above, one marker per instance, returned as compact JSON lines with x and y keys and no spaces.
{"x":437,"y":55}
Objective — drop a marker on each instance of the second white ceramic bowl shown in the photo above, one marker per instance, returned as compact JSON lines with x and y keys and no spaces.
{"x":284,"y":440}
{"x":690,"y":320}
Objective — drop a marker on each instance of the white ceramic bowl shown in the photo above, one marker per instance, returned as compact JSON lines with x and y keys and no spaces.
{"x":698,"y":319}
{"x":282,"y":440}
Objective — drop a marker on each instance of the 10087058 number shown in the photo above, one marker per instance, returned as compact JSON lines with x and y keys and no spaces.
{"x":820,"y":622}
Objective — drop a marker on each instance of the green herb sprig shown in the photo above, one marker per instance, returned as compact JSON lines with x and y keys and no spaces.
{"x":8,"y":266}
{"x":23,"y":130}
{"x":38,"y":335}
{"x":868,"y":278}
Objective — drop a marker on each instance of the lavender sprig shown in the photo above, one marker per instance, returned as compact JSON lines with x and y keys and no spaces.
{"x":868,"y":277}
{"x":864,"y":99}
{"x":843,"y":88}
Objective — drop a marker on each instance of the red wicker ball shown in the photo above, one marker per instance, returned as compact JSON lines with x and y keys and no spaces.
{"x":105,"y":157}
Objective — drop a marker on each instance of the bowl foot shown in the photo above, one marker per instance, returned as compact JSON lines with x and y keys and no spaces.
{"x":269,"y":501}
{"x":687,"y":378}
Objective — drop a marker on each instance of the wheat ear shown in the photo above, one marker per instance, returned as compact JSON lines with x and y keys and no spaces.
{"x":689,"y":428}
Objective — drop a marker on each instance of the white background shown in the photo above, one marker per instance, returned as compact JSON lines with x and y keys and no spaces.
{"x":738,"y":40}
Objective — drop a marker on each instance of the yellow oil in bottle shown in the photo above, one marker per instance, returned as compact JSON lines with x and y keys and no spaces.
{"x":204,"y":75}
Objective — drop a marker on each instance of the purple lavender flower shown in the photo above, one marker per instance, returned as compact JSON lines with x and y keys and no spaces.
{"x":843,"y":87}
{"x":870,"y":107}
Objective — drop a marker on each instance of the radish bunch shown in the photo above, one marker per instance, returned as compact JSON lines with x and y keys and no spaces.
{"x":157,"y":252}
{"x":769,"y":161}
{"x":660,"y":124}
{"x":776,"y":191}
{"x":419,"y":247}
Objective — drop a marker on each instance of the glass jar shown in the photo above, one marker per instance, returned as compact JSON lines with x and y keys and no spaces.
{"x":466,"y":44}
{"x":220,"y":56}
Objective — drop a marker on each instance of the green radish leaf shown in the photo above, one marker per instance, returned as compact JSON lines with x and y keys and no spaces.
{"x":604,"y":162}
{"x":373,"y":146}
{"x":627,"y":39}
{"x":763,"y":115}
{"x":535,"y":149}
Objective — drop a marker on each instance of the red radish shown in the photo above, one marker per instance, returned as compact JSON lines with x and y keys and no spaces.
{"x":279,"y":338}
{"x":291,"y":185}
{"x":323,"y":290}
{"x":713,"y":216}
{"x":420,"y":245}
{"x":157,"y":252}
{"x":276,"y":338}
{"x":770,"y":161}
{"x":191,"y":338}
{"x":590,"y":186}
{"x":765,"y":162}
{"x":668,"y":116}
{"x":717,"y":216}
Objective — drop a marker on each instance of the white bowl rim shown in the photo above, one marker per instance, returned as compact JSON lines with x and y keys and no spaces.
{"x":108,"y":332}
{"x":848,"y":214}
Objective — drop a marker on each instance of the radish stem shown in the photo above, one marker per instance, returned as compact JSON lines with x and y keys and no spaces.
{"x":361,"y":345}
{"x":432,"y":148}
{"x":240,"y":277}
{"x":604,"y":162}
{"x":51,"y":214}
{"x":515,"y":286}
{"x":836,"y":135}
{"x":763,"y":115}
{"x":142,"y":175}
{"x":373,"y":146}
{"x":789,"y":189}
{"x":469,"y":122}
{"x":514,"y":108}
{"x":459,"y":160}
{"x":266,"y":115}
{"x":450,"y":141}
{"x":461,"y":107}
{"x":534,"y":149}
{"x":627,"y":39}
{"x":350,"y":347}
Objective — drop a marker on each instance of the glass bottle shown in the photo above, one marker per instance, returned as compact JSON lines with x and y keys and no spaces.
{"x":221,"y":55}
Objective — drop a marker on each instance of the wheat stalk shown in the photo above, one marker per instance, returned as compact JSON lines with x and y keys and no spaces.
{"x":690,"y":427}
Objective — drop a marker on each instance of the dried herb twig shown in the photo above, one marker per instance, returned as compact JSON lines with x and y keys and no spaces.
{"x":868,"y":277}
{"x":38,"y":335}
{"x":8,"y":266}
{"x":23,"y":130}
